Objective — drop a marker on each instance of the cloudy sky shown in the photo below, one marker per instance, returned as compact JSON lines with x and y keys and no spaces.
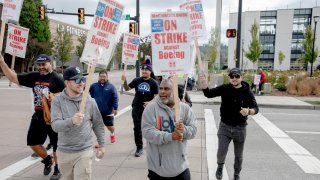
{"x":148,"y":6}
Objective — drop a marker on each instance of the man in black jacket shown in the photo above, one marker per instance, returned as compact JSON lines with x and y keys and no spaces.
{"x":237,"y":102}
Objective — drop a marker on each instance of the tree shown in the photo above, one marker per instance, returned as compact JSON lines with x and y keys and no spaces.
{"x":281,"y":57}
{"x":213,"y":49}
{"x":80,"y":46}
{"x":39,"y":40}
{"x":63,"y":46}
{"x":307,"y":46}
{"x":255,"y":48}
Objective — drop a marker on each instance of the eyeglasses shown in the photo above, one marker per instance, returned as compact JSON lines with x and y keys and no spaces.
{"x":79,"y":80}
{"x":237,"y":76}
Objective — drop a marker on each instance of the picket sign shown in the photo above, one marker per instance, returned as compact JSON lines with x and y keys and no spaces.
{"x":87,"y":87}
{"x":12,"y":65}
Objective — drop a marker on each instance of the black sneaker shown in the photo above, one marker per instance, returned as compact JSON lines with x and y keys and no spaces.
{"x":49,"y":146}
{"x":56,"y":174}
{"x":47,"y":165}
{"x":139,"y":152}
{"x":219,"y":172}
{"x":236,"y":177}
{"x":34,"y":155}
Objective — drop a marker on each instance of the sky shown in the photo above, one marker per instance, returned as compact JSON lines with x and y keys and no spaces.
{"x":149,"y":6}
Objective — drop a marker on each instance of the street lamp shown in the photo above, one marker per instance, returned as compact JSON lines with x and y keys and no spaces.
{"x":315,"y":18}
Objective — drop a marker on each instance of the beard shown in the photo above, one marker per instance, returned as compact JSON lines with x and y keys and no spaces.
{"x":169,"y":101}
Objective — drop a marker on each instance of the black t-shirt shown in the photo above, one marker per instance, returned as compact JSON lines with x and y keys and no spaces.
{"x":145,"y":90}
{"x":41,"y":84}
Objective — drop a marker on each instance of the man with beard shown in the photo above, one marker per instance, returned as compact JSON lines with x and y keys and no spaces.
{"x":146,"y":89}
{"x":41,"y":82}
{"x":76,"y":129}
{"x":106,"y":98}
{"x":167,"y":140}
{"x":237,"y":103}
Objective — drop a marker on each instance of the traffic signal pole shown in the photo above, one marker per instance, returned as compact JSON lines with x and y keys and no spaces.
{"x":239,"y":34}
{"x":137,"y":19}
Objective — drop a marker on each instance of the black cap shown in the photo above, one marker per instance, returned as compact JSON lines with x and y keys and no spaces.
{"x":235,"y":71}
{"x":42,"y":58}
{"x":72,"y":73}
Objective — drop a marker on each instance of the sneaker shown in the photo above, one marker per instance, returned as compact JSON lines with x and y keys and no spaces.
{"x":113,"y":138}
{"x":139,"y":152}
{"x":236,"y":177}
{"x":47,"y":165}
{"x":49,"y":146}
{"x":56,"y":174}
{"x":34,"y":155}
{"x":219,"y":173}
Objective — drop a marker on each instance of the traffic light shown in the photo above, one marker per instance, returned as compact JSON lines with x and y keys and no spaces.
{"x":231,"y":33}
{"x":42,"y":12}
{"x":133,"y":28}
{"x":81,"y":15}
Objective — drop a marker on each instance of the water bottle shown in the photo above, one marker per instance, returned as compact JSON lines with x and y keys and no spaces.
{"x":98,"y":156}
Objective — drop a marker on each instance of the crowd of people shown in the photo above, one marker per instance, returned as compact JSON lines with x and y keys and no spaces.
{"x":153,"y":114}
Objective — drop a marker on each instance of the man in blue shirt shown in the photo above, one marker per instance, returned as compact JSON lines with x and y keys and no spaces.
{"x":106,"y":97}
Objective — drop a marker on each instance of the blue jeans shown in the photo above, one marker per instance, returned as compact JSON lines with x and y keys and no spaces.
{"x":237,"y":134}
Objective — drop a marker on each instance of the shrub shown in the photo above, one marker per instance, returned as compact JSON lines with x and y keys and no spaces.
{"x":280,"y":87}
{"x":304,"y":88}
{"x":292,"y":87}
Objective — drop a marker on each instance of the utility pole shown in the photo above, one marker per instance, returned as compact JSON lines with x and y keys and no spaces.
{"x":242,"y":55}
{"x":316,"y":18}
{"x":239,"y":34}
{"x":137,"y":19}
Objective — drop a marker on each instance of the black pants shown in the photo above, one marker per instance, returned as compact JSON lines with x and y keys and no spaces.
{"x":136,"y":116}
{"x":260,"y":86}
{"x":238,"y":135}
{"x":185,"y":175}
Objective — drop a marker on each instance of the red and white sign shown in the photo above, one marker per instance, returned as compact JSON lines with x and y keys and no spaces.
{"x":171,"y":43}
{"x":257,"y":78}
{"x":17,"y":40}
{"x":11,"y":10}
{"x":130,"y":49}
{"x":197,"y":22}
{"x":102,"y":35}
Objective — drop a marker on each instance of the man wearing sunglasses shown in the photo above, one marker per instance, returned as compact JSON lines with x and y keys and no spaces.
{"x":75,"y":140}
{"x":237,"y":103}
{"x":41,"y":82}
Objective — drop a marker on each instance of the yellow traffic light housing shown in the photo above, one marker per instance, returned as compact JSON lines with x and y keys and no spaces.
{"x":231,"y":33}
{"x":42,"y":13}
{"x":81,"y":16}
{"x":133,"y":28}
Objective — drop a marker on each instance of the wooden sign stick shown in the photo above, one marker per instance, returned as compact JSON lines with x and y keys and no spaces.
{"x":185,"y":86}
{"x":3,"y":28}
{"x":123,"y":73}
{"x":176,"y":98}
{"x":87,"y":87}
{"x":12,"y":65}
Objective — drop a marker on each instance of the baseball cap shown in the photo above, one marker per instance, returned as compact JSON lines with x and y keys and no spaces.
{"x":72,"y":73}
{"x":235,"y":71}
{"x":42,"y":58}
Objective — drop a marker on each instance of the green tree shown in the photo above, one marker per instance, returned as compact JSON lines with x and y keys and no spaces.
{"x":80,"y":46}
{"x":281,"y":57}
{"x":213,"y":49}
{"x":255,"y":48}
{"x":117,"y":54}
{"x":307,"y":46}
{"x":39,"y":34}
{"x":63,"y":46}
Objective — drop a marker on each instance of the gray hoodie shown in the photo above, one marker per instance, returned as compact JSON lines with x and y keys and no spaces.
{"x":166,"y":157}
{"x":76,"y":138}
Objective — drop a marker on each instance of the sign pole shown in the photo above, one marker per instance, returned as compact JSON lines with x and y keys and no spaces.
{"x":3,"y":26}
{"x":176,"y":98}
{"x":87,"y":87}
{"x":124,"y":73}
{"x":12,"y":65}
{"x":185,"y":86}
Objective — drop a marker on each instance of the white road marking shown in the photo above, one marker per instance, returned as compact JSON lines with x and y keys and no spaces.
{"x":304,"y":159}
{"x":291,"y":114}
{"x":212,"y":145}
{"x":28,"y":161}
{"x":302,"y":132}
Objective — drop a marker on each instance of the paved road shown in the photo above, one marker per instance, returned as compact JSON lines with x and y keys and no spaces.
{"x":282,"y":144}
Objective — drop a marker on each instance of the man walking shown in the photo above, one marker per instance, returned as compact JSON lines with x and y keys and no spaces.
{"x":237,"y":103}
{"x":146,"y":89}
{"x":106,"y":97}
{"x":167,"y":140}
{"x":41,"y":82}
{"x":75,"y":130}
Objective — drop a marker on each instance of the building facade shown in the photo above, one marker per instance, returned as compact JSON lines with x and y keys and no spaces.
{"x":280,"y":30}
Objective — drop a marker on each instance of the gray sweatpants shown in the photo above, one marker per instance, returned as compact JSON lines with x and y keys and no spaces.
{"x":237,"y":134}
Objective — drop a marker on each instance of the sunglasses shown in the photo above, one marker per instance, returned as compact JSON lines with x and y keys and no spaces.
{"x":79,"y":80}
{"x":237,"y":76}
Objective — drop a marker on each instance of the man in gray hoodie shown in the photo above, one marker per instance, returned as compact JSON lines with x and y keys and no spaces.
{"x":75,"y":130}
{"x":167,"y":140}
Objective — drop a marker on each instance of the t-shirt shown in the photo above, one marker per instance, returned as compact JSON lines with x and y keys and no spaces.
{"x":41,"y":84}
{"x":145,"y":90}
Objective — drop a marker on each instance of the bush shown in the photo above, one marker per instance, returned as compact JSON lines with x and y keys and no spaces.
{"x":280,"y":87}
{"x":292,"y":87}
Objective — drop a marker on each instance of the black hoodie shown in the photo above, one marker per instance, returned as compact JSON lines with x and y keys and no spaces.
{"x":232,"y":99}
